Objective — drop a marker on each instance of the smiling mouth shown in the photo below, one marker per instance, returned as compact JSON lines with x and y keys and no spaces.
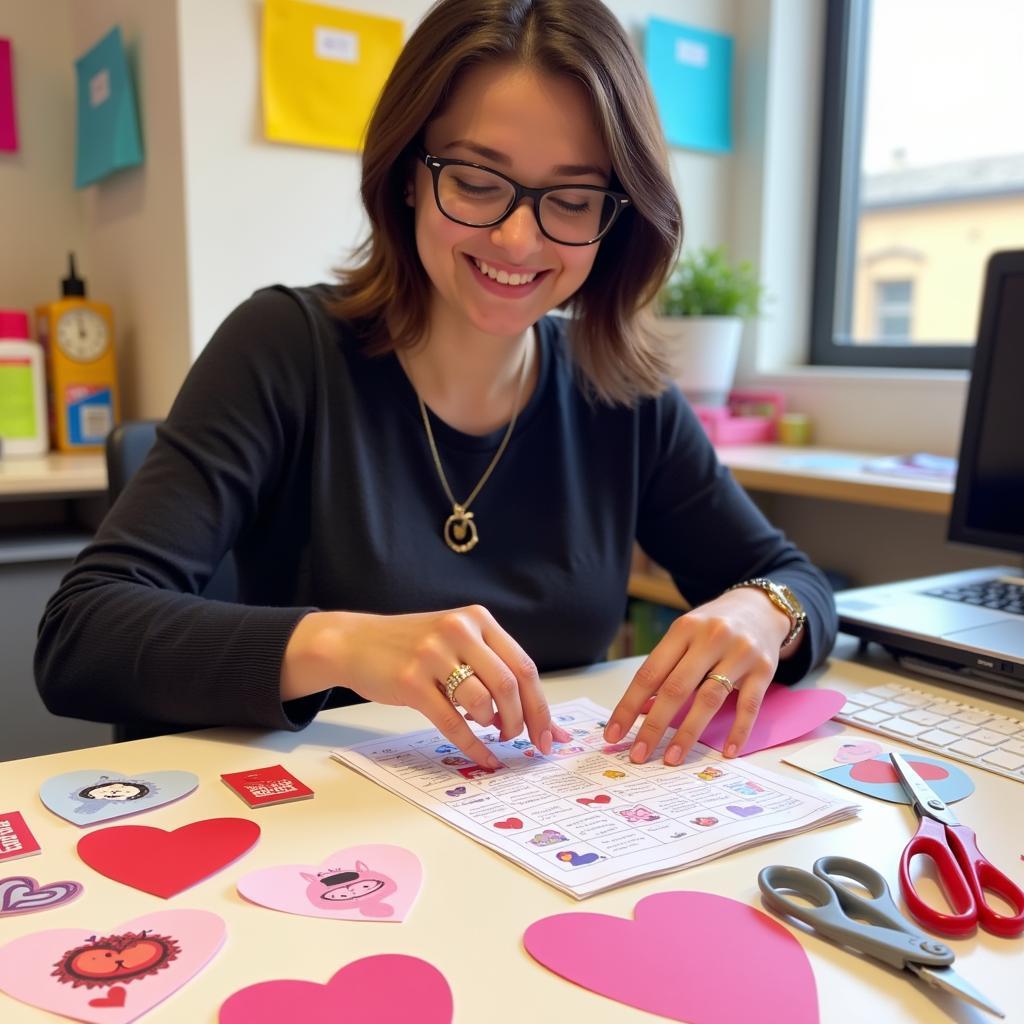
{"x":514,"y":280}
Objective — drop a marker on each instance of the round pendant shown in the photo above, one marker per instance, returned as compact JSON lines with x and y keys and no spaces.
{"x":460,"y":531}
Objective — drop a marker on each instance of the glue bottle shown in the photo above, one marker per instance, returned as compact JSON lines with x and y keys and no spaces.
{"x":23,"y":418}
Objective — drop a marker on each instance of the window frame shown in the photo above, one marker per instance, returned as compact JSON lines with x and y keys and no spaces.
{"x":842,"y":131}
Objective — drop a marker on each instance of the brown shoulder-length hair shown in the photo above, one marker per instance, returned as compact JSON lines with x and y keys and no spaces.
{"x":386,"y":294}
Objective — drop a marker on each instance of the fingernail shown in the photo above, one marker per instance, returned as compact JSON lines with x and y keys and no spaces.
{"x":492,"y":762}
{"x":562,"y":735}
{"x":545,"y":741}
{"x":639,"y":752}
{"x":674,"y":754}
{"x":730,"y":751}
{"x":613,"y":733}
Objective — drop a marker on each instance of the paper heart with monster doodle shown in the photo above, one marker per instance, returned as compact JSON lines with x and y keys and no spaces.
{"x":110,"y":976}
{"x":361,"y":883}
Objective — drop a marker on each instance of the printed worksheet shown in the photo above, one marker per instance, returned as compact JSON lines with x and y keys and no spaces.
{"x":584,"y":818}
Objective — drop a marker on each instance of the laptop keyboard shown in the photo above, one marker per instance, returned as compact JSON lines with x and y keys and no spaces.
{"x":962,"y":732}
{"x":1005,"y":595}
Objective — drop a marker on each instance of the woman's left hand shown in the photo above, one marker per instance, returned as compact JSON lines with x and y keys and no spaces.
{"x":737,"y":635}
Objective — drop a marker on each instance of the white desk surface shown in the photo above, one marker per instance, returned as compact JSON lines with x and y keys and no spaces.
{"x":474,"y":906}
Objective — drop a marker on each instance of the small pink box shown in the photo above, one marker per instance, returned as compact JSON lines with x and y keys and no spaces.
{"x":748,"y":417}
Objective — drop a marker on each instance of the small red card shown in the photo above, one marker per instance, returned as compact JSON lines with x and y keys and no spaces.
{"x":16,"y":839}
{"x":273,"y":785}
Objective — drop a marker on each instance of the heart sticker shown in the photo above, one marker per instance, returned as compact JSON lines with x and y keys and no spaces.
{"x":693,"y":977}
{"x":165,"y":863}
{"x":386,"y":989}
{"x":360,"y":883}
{"x":786,"y":714}
{"x":20,"y":894}
{"x":601,"y":798}
{"x":117,"y":976}
{"x":91,"y":796}
{"x":509,"y":824}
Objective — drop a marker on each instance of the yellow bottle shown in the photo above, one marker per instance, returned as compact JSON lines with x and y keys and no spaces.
{"x":77,"y":335}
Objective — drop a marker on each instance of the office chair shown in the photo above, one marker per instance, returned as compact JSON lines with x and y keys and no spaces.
{"x":127,"y":446}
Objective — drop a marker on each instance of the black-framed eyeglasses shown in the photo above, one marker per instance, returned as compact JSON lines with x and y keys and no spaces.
{"x":481,"y":197}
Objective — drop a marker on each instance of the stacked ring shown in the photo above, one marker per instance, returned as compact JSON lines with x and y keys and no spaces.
{"x":456,"y":678}
{"x":724,"y":680}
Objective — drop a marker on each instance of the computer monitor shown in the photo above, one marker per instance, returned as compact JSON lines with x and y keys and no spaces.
{"x":988,"y":504}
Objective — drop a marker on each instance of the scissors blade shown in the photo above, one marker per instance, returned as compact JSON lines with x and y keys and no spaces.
{"x":949,"y":981}
{"x":926,"y":801}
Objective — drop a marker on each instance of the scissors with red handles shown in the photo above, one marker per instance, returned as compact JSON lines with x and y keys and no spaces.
{"x":964,"y":871}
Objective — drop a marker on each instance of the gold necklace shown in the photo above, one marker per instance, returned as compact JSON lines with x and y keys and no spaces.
{"x":460,"y":533}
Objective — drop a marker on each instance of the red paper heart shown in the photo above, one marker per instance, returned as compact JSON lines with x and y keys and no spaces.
{"x":115,"y":997}
{"x":693,"y":976}
{"x":165,"y":863}
{"x":883,"y":771}
{"x":512,"y":823}
{"x":601,"y":798}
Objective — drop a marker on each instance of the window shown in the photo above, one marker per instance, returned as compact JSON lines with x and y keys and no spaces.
{"x":893,"y":305}
{"x":922,"y":176}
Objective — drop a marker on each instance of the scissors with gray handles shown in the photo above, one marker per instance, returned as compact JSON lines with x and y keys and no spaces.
{"x":873,"y":926}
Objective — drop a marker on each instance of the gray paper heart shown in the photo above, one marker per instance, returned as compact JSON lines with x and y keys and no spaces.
{"x":19,"y":894}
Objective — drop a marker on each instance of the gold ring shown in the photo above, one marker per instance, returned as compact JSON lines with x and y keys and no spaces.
{"x":456,"y":678}
{"x":719,"y":678}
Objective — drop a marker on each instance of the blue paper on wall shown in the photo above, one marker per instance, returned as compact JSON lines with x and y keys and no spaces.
{"x":691,"y":74}
{"x":108,"y":118}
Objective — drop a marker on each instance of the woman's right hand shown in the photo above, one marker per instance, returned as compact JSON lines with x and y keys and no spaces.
{"x":405,"y":660}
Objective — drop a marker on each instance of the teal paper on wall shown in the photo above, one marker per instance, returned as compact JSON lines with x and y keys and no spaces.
{"x":691,"y":74}
{"x":108,"y":119}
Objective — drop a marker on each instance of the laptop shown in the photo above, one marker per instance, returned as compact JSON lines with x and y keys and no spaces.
{"x":968,"y":626}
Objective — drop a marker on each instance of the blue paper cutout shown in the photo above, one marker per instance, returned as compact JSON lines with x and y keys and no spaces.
{"x":93,"y":795}
{"x":108,"y":120}
{"x":691,"y":74}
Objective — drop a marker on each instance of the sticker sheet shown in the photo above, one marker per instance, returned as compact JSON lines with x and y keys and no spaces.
{"x":584,"y":818}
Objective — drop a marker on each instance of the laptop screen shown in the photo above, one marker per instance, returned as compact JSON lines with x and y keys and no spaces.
{"x":988,"y":505}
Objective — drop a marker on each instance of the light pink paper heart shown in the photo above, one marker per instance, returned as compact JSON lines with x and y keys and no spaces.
{"x":387,"y":989}
{"x":689,"y":956}
{"x":360,"y":883}
{"x":69,"y":970}
{"x":786,"y":714}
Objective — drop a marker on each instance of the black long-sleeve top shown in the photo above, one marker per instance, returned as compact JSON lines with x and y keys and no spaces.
{"x":308,"y":458}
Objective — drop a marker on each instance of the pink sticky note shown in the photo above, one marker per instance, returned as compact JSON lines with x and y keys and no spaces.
{"x":386,"y":989}
{"x":786,"y":714}
{"x":361,"y":883}
{"x":8,"y":119}
{"x":664,"y":962}
{"x":68,"y":970}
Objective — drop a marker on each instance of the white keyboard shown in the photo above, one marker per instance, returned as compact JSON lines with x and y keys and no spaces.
{"x":942,"y":726}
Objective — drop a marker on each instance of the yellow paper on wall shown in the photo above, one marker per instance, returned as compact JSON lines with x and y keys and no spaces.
{"x":323,"y":69}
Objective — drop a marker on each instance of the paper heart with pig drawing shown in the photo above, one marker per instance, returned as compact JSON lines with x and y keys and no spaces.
{"x":361,"y":883}
{"x":115,"y":975}
{"x":661,"y":961}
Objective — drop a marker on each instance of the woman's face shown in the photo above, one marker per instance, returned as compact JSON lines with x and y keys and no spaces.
{"x":526,"y":124}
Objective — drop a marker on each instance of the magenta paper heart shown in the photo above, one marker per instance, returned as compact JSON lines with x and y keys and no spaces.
{"x":387,"y":989}
{"x":786,"y":714}
{"x":360,"y":883}
{"x":662,"y":962}
{"x":67,"y":970}
{"x":20,"y":894}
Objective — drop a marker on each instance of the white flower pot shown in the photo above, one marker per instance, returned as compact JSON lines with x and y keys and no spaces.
{"x":703,"y":352}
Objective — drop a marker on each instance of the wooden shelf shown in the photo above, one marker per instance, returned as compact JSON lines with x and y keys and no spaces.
{"x":52,"y":476}
{"x":831,"y":474}
{"x":659,"y":589}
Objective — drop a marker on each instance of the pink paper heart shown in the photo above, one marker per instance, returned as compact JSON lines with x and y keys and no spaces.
{"x":67,"y":970}
{"x":386,"y":989}
{"x":660,"y":962}
{"x":361,"y":883}
{"x":786,"y":714}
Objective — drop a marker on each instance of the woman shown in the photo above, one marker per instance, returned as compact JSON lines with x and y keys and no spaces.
{"x":432,"y":488}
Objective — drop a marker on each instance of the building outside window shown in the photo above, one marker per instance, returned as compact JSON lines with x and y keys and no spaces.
{"x":922,"y":176}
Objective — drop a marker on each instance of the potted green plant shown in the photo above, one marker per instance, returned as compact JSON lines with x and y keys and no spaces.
{"x":702,"y":306}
